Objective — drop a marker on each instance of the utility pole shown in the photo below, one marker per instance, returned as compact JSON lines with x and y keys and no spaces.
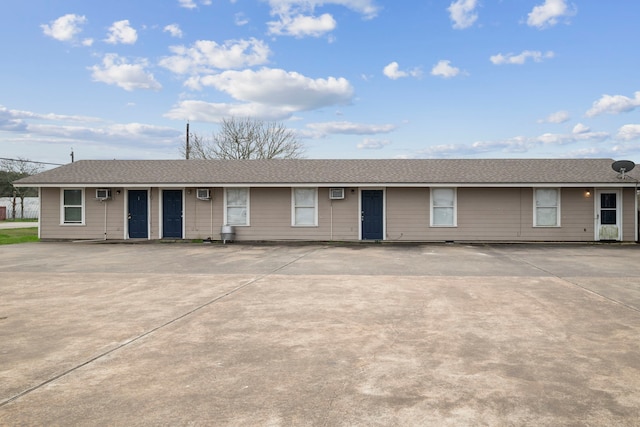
{"x":186,"y":151}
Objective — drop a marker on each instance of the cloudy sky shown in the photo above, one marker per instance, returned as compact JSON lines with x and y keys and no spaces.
{"x":352,"y":78}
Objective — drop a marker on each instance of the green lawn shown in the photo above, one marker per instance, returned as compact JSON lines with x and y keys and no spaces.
{"x":18,"y":235}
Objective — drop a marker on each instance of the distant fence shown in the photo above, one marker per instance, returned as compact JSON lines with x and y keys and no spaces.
{"x":30,"y":207}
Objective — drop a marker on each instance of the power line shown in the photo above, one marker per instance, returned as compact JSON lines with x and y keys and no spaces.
{"x":31,"y":161}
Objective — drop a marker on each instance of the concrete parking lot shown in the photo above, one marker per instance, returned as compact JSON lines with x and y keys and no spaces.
{"x":319,"y":335}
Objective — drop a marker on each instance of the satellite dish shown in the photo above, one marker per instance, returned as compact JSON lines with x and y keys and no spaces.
{"x":623,"y":166}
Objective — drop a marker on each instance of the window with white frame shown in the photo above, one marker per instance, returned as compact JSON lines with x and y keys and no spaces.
{"x":304,"y":207}
{"x":236,"y":210}
{"x":72,"y":206}
{"x":546,"y":207}
{"x":443,"y":207}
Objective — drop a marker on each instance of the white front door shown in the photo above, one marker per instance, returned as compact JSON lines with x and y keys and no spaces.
{"x":608,"y":215}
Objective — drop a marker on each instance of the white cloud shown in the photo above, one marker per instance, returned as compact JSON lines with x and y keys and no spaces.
{"x":174,"y":30}
{"x":301,"y":26}
{"x":517,"y":144}
{"x":367,"y":8}
{"x":564,"y":139}
{"x":348,"y":128}
{"x":64,"y":28}
{"x":521,"y":58}
{"x":629,"y":132}
{"x":11,"y":120}
{"x":191,"y":4}
{"x":581,"y":128}
{"x":557,"y":117}
{"x":443,"y":151}
{"x":392,"y":70}
{"x":97,"y":139}
{"x":297,"y":18}
{"x":212,"y":112}
{"x":20,"y":114}
{"x":444,"y":69}
{"x":373,"y":144}
{"x":122,"y":32}
{"x":462,"y":13}
{"x":240,"y":19}
{"x":524,"y":144}
{"x":277,"y":87}
{"x":548,"y":13}
{"x":614,"y":104}
{"x":268,"y":93}
{"x":116,"y":71}
{"x":206,"y":55}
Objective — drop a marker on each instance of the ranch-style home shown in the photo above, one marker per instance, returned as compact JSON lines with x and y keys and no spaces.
{"x":515,"y":200}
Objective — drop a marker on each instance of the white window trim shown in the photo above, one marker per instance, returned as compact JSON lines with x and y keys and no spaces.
{"x":62,"y":206}
{"x":558,"y":205}
{"x":455,"y":208}
{"x":248,"y":206}
{"x":293,"y":207}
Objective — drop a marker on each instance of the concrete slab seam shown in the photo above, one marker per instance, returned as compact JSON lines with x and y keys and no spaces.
{"x":564,"y":279}
{"x":157,"y":328}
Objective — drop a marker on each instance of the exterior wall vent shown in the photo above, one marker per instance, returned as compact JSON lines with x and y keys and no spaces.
{"x":103,"y":193}
{"x":336,"y":193}
{"x":203,"y":194}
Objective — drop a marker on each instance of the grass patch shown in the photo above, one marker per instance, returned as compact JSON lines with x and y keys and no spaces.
{"x":18,"y":235}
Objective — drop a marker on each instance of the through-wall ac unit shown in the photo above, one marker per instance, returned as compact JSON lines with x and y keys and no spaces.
{"x":103,"y":193}
{"x":203,"y":194}
{"x":336,"y":193}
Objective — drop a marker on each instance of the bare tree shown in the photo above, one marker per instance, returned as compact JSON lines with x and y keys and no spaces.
{"x":246,"y":138}
{"x":11,"y":170}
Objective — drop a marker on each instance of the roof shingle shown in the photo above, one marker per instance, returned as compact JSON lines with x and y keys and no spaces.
{"x":327,"y":172}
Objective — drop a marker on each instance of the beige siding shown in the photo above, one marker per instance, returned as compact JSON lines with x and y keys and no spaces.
{"x":270,"y":217}
{"x":203,"y":218}
{"x":629,"y":215}
{"x":407,"y":214}
{"x":488,"y":214}
{"x":95,"y":227}
{"x":483,"y":214}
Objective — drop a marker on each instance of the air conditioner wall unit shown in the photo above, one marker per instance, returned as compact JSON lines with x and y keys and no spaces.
{"x":103,"y":193}
{"x":336,"y":193}
{"x":203,"y":194}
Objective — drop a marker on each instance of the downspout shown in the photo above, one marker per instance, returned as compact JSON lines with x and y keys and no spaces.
{"x":39,"y":212}
{"x":211,"y":215}
{"x":105,"y":219}
{"x":331,"y":221}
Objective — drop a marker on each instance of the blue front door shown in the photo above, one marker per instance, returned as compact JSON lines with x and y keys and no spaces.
{"x":172,"y":214}
{"x":138,"y":223}
{"x":372,"y":215}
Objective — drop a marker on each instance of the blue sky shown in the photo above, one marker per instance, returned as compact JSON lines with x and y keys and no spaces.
{"x":352,"y":78}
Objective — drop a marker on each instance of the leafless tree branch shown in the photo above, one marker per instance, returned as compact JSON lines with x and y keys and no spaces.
{"x":246,"y":138}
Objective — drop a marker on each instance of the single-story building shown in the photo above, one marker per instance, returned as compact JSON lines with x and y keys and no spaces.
{"x":571,"y":200}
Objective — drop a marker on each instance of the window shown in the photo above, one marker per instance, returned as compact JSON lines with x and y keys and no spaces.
{"x":304,"y":207}
{"x":236,"y":206}
{"x":546,"y":212}
{"x":443,"y":207}
{"x":608,"y":209}
{"x":72,"y":206}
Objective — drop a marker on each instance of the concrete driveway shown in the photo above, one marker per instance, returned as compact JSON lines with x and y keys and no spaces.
{"x":5,"y":225}
{"x":319,"y":335}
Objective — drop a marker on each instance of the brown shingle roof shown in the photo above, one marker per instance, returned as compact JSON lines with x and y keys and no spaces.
{"x":327,"y":172}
